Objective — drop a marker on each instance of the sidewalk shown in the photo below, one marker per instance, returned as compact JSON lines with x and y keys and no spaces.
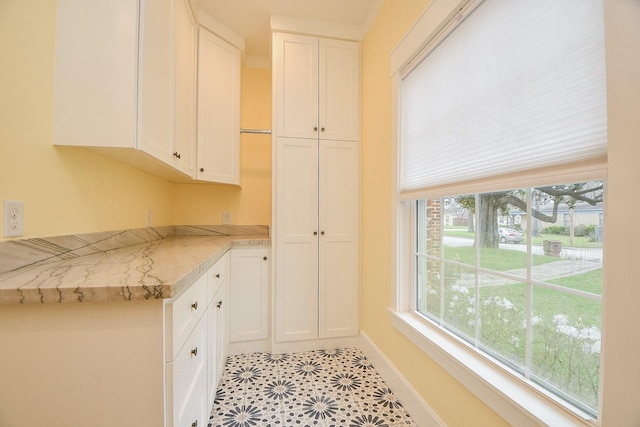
{"x":542,"y":272}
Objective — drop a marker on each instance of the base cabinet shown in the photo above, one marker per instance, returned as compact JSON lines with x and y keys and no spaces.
{"x":249,"y":295}
{"x":217,"y":342}
{"x":145,"y":363}
{"x":195,"y":345}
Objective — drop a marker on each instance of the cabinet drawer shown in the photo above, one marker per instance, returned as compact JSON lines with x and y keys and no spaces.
{"x":187,"y":375}
{"x":197,"y":412}
{"x":183,"y":313}
{"x":217,"y":276}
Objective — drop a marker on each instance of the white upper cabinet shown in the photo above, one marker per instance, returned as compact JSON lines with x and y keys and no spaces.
{"x":296,"y":85}
{"x":185,"y":50}
{"x":339,"y":90}
{"x":96,"y":73}
{"x":154,"y":83}
{"x":125,"y":84}
{"x":218,"y":110}
{"x":317,"y":85}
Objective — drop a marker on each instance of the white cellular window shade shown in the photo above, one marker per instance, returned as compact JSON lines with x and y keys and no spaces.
{"x":516,"y":86}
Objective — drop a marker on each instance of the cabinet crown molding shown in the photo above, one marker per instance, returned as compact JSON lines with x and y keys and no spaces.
{"x":212,"y":24}
{"x":289,"y":24}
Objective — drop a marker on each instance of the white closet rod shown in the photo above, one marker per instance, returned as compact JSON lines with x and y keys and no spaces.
{"x":259,"y":131}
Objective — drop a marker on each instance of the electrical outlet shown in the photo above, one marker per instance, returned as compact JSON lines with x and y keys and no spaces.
{"x":13,"y":218}
{"x":226,"y":217}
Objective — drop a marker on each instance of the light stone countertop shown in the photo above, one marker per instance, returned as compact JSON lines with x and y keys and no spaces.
{"x":150,"y":270}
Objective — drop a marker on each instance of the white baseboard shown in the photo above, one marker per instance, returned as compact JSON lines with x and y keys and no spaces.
{"x":318,"y":344}
{"x":419,"y":410}
{"x":244,"y":347}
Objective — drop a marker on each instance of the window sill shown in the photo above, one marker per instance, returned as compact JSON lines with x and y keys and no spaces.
{"x":517,"y":401}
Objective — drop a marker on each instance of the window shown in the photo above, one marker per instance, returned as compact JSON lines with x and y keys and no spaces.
{"x":527,"y":296}
{"x":501,"y":168}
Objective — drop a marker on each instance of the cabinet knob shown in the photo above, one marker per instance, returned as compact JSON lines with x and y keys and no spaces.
{"x":264,"y":258}
{"x":176,"y":154}
{"x":194,"y":352}
{"x":194,"y":424}
{"x":218,"y":276}
{"x":201,"y":169}
{"x":322,"y":129}
{"x":322,"y":233}
{"x":315,"y":128}
{"x":315,"y":233}
{"x":194,"y":305}
{"x":219,"y":304}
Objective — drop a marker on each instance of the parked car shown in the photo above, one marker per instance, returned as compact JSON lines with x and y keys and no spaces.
{"x":509,"y":235}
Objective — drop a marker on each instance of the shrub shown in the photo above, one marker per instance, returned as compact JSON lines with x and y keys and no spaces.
{"x":584,"y":230}
{"x":556,"y":229}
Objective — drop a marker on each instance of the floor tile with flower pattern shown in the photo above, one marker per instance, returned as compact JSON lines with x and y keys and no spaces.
{"x":316,"y":388}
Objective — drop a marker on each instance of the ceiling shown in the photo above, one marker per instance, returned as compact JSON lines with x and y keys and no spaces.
{"x":251,"y":18}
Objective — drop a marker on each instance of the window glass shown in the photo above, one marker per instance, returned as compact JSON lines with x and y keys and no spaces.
{"x":503,"y":272}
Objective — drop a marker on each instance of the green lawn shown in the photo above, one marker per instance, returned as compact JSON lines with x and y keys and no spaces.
{"x":546,"y":301}
{"x":561,"y":353}
{"x":492,"y":258}
{"x":549,"y":302}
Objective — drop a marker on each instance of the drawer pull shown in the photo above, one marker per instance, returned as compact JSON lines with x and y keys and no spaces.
{"x":194,"y":305}
{"x":194,"y":424}
{"x":218,"y":275}
{"x":219,"y":304}
{"x":194,"y":352}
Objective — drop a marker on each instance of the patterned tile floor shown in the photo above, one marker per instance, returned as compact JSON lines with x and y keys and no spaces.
{"x":316,"y":388}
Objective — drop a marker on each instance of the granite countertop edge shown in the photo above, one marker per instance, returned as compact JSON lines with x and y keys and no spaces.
{"x":155,"y":270}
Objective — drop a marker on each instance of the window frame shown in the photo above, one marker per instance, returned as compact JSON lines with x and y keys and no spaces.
{"x":506,"y":391}
{"x":515,"y":399}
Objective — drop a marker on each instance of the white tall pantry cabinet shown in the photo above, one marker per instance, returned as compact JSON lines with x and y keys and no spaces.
{"x":316,"y":182}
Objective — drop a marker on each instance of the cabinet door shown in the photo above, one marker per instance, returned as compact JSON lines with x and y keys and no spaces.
{"x":249,"y":295}
{"x":295,"y":60}
{"x":339,"y":90}
{"x":96,"y":79}
{"x":155,"y":83}
{"x":296,"y":229}
{"x":216,"y":345}
{"x":218,"y":110}
{"x":185,"y":43}
{"x":338,"y":243}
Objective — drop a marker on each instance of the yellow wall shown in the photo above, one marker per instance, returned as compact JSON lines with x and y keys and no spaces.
{"x":65,"y":190}
{"x":74,"y":190}
{"x":619,"y":369}
{"x":445,"y":395}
